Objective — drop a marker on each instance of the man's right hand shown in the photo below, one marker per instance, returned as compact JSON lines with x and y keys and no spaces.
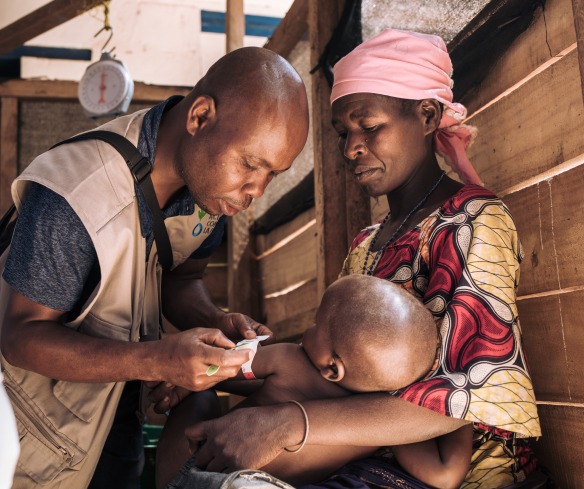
{"x":186,"y":357}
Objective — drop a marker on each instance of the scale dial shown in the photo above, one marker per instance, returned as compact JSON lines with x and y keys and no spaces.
{"x":106,"y":88}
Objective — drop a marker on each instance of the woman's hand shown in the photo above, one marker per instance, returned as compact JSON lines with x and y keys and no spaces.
{"x":245,"y":438}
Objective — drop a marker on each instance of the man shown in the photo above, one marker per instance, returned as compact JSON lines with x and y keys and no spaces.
{"x":82,"y":279}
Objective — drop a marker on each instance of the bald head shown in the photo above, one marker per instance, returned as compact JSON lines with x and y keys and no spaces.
{"x":385,"y":337}
{"x":244,"y":122}
{"x":251,"y":74}
{"x":254,"y":83}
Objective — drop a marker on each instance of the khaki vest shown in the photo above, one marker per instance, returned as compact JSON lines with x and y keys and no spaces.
{"x":63,"y":425}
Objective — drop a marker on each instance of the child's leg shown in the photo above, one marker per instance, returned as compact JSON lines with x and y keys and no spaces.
{"x":173,"y":448}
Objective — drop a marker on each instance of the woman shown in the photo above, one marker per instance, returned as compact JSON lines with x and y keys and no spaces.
{"x":454,"y":246}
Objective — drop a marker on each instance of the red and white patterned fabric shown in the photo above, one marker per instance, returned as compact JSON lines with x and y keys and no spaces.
{"x":462,"y":262}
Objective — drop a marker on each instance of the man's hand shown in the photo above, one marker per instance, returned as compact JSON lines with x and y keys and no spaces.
{"x":186,"y":356}
{"x":236,"y":326}
{"x":245,"y":438}
{"x":164,"y":395}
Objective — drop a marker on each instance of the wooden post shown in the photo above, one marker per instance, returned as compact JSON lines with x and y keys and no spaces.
{"x":290,"y":29}
{"x":243,"y":294}
{"x":234,"y":25}
{"x":8,"y":149}
{"x":578,"y":9}
{"x":341,"y":207}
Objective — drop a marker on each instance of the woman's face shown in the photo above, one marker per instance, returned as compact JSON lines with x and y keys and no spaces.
{"x":382,"y":143}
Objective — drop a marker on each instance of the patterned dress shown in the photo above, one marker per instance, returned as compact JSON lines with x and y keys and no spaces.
{"x":462,"y":262}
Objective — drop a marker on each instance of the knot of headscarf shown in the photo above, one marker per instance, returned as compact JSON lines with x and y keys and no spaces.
{"x":415,"y":66}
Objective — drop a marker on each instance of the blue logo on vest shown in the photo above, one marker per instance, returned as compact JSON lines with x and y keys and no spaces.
{"x":198,"y":229}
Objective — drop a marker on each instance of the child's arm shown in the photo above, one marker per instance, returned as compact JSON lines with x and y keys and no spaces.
{"x":441,"y":462}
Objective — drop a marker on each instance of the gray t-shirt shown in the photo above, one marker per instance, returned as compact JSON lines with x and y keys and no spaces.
{"x":52,"y":260}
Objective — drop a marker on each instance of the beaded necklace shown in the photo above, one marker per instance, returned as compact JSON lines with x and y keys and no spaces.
{"x":368,"y":270}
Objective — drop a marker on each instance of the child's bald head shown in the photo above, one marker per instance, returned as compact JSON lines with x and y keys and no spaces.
{"x":379,"y":336}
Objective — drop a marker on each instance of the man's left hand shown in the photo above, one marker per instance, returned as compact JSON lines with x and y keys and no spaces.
{"x":237,"y":326}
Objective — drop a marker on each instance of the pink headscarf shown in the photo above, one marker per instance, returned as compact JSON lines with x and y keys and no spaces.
{"x":415,"y":66}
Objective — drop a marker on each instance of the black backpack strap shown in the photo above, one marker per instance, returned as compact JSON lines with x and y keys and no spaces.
{"x":141,"y":168}
{"x":7,"y":228}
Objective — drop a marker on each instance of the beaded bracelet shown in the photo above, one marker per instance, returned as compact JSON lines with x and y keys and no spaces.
{"x":306,"y":430}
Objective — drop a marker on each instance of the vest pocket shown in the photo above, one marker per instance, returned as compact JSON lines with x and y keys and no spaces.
{"x":100,"y":328}
{"x":82,"y":399}
{"x":43,"y":454}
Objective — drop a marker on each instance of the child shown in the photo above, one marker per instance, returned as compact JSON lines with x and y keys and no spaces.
{"x":370,"y":335}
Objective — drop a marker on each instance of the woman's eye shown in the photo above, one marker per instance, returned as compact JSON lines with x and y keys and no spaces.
{"x":248,"y":166}
{"x":370,"y":128}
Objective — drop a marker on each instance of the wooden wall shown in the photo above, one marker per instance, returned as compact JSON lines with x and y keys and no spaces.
{"x":530,"y":150}
{"x":287,"y":260}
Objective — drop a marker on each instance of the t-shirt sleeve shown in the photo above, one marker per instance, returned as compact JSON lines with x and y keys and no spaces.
{"x":481,"y":374}
{"x":212,"y":242}
{"x":51,"y":253}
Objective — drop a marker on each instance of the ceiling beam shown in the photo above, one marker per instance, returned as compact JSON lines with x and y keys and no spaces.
{"x":54,"y":13}
{"x":290,"y":30}
{"x":67,"y":90}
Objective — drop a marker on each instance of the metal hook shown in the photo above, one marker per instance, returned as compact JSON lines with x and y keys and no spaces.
{"x":111,"y":31}
{"x":106,"y":25}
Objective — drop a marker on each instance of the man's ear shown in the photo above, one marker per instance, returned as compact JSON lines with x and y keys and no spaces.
{"x":201,"y":111}
{"x":335,"y":371}
{"x":431,"y":113}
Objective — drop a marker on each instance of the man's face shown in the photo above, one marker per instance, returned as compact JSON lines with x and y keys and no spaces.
{"x":231,"y":160}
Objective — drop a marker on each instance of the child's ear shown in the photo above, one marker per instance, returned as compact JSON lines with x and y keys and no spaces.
{"x":200,"y":112}
{"x":335,"y":371}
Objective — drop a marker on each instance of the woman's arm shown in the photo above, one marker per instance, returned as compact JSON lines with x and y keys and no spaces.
{"x":233,"y":441}
{"x":440,"y":462}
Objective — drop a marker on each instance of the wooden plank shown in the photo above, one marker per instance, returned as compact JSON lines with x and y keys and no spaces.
{"x":290,"y":29}
{"x":234,"y":25}
{"x":547,"y":216}
{"x":243,"y":284}
{"x":541,"y":324}
{"x":551,"y":32}
{"x":300,"y":300}
{"x":292,"y":328}
{"x":561,"y":448}
{"x":568,"y":227}
{"x":532,"y":129}
{"x":67,"y":90}
{"x":329,"y":174}
{"x":358,"y":208}
{"x":266,"y":242}
{"x":578,"y":10}
{"x":41,"y":20}
{"x":532,"y":212}
{"x":290,"y":265}
{"x":476,"y":48}
{"x":8,"y":149}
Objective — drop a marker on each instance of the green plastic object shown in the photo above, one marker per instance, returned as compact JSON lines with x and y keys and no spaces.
{"x":151,"y":435}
